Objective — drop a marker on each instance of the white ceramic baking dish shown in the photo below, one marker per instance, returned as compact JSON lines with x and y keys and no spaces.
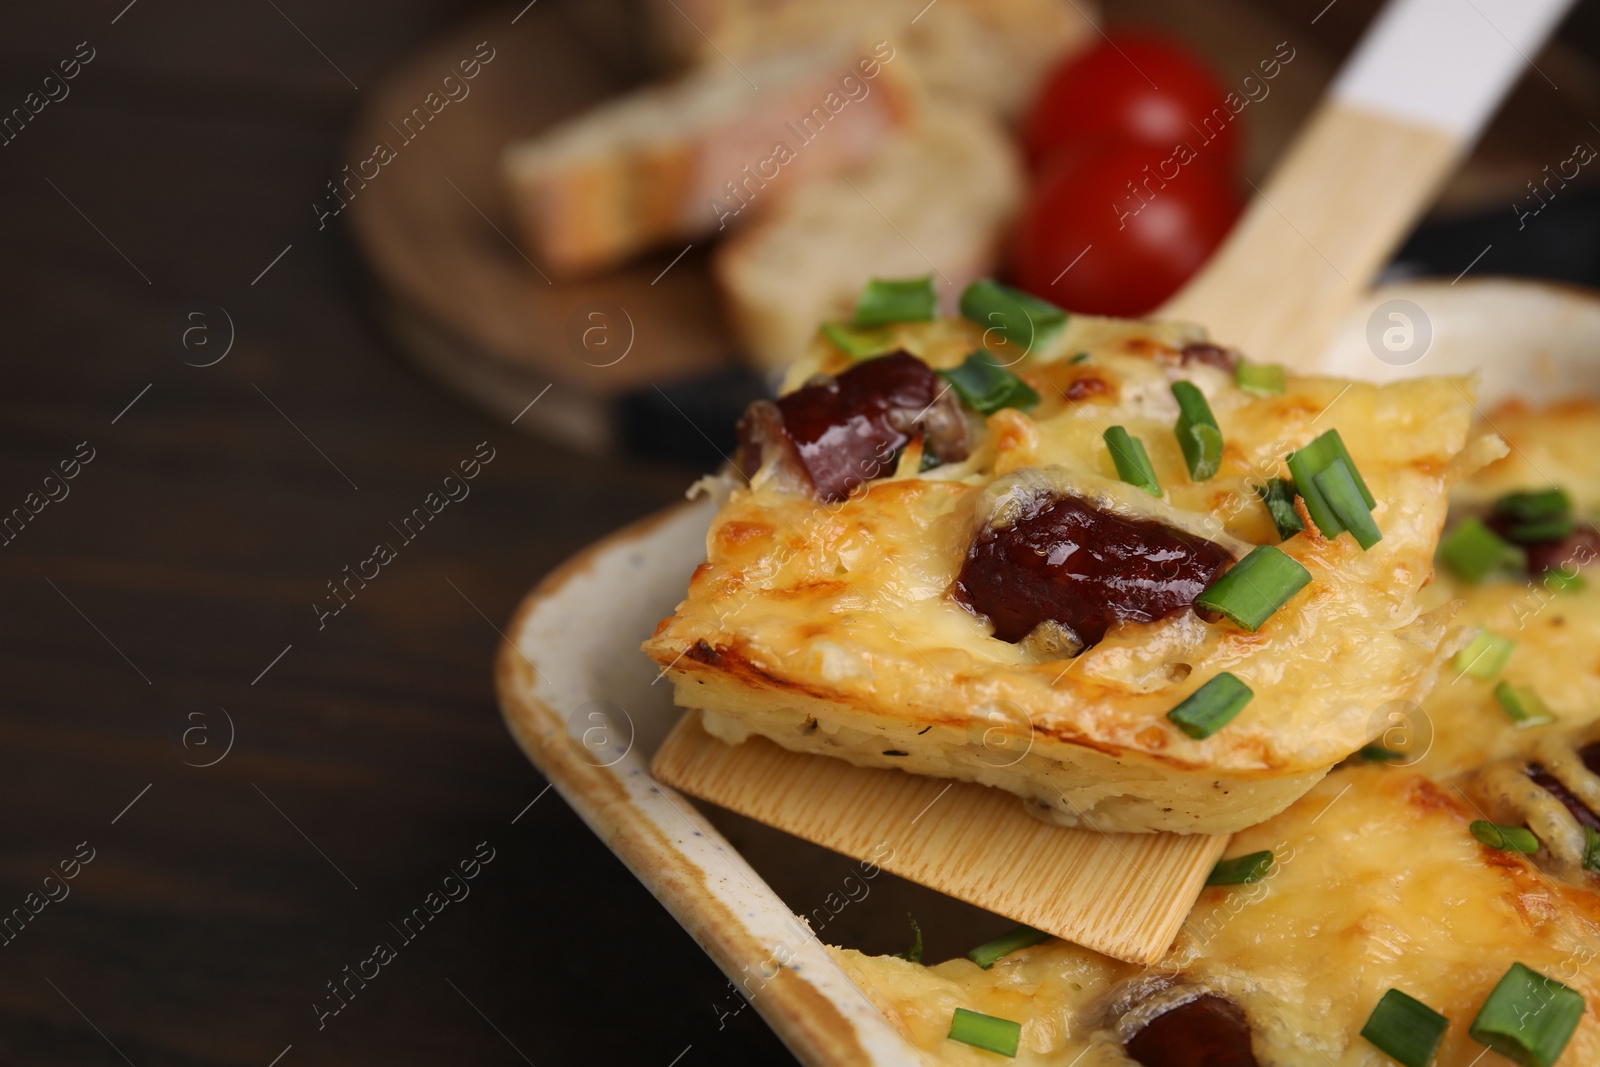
{"x":578,"y":695}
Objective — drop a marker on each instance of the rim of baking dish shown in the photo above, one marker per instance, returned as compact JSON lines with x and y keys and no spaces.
{"x":680,"y":857}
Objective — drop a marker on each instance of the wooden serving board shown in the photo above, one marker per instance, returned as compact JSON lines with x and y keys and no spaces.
{"x":458,"y":292}
{"x":1124,"y":895}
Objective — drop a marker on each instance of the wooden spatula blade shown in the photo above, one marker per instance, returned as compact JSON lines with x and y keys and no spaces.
{"x":1121,"y":894}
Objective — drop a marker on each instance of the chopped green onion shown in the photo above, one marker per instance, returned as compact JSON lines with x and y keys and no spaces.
{"x":1541,"y":506}
{"x":1405,"y":1029}
{"x":914,"y":953}
{"x":986,"y":386}
{"x":985,"y":1031}
{"x":1591,"y":849}
{"x":1504,"y":838}
{"x":1278,"y":496}
{"x":1559,"y":581}
{"x":858,"y":342}
{"x":1528,"y":1018}
{"x":1262,"y":379}
{"x":1525,"y":706}
{"x":1198,"y":433}
{"x":1133,"y":462}
{"x":1211,"y":707}
{"x":1021,"y":937}
{"x":884,"y":301}
{"x":1258,"y":585}
{"x":1337,"y":484}
{"x":1241,"y":870}
{"x":1486,"y":656}
{"x":1021,"y":319}
{"x":1474,"y":551}
{"x":929,"y":461}
{"x":1379,"y":754}
{"x":1349,"y":461}
{"x":1529,"y":533}
{"x":1081,"y":357}
{"x":1306,"y":463}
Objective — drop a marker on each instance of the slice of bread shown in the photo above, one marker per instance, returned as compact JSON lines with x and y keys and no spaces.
{"x":991,"y":53}
{"x":680,"y":161}
{"x":933,"y":201}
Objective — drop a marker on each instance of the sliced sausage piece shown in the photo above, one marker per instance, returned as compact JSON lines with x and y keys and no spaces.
{"x":1213,"y":355}
{"x":1590,"y":755}
{"x":839,"y":432}
{"x":1208,"y":1031}
{"x":1063,"y":560}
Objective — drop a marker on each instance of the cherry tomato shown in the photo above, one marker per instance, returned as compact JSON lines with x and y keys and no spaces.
{"x":1148,"y":220}
{"x":1137,"y":87}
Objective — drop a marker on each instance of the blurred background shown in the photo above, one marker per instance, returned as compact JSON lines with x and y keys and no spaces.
{"x":274,"y":270}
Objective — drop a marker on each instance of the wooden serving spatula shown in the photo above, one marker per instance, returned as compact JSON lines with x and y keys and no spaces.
{"x":1408,"y":103}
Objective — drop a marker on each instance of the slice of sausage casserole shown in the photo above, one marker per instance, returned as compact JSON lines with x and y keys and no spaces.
{"x":1104,"y":565}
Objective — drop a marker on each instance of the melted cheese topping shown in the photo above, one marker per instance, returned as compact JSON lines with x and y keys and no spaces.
{"x":1556,"y":444}
{"x":1375,"y":886}
{"x":1376,"y":882}
{"x":1557,"y":635}
{"x":840,"y":615}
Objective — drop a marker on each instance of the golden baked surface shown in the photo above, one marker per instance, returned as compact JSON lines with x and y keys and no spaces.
{"x":1385,"y":889}
{"x":1377,"y":881}
{"x":831,"y":627}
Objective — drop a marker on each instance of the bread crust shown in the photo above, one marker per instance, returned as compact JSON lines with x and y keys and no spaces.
{"x":933,"y":200}
{"x":683,"y":160}
{"x":986,"y":53}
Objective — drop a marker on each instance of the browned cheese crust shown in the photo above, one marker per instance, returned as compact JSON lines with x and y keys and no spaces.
{"x":830,"y":627}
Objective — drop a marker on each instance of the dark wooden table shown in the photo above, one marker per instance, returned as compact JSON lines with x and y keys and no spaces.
{"x":164,"y":602}
{"x":157,"y":615}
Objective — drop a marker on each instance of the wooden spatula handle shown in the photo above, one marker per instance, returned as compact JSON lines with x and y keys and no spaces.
{"x":1409,"y":102}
